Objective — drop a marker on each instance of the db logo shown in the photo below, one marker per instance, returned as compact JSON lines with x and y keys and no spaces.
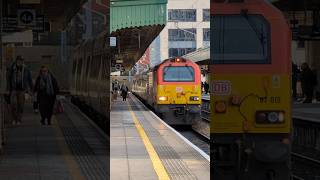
{"x":179,"y":89}
{"x":221,"y":87}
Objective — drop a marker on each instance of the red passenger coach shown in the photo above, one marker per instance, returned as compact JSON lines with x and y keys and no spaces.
{"x":251,"y":91}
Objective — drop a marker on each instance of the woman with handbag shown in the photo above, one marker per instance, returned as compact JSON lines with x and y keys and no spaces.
{"x":46,"y":87}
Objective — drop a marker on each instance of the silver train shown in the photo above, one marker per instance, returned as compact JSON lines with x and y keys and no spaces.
{"x":90,"y":87}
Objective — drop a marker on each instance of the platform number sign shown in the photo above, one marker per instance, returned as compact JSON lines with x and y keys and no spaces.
{"x":26,"y":17}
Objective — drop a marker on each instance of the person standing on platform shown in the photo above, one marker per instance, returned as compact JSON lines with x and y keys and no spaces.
{"x":295,"y":74}
{"x":124,"y":92}
{"x":308,"y":82}
{"x":46,"y":87}
{"x":206,"y":87}
{"x":19,"y":82}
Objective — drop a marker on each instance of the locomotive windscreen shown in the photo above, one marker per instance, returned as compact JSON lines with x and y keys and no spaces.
{"x":240,"y":39}
{"x":178,"y":74}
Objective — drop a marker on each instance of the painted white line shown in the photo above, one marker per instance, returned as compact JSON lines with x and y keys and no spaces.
{"x":296,"y":177}
{"x":306,"y":119}
{"x":202,"y":153}
{"x":307,"y":158}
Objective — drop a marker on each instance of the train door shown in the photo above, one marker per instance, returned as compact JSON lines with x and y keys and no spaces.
{"x":78,"y":76}
{"x":73,"y":75}
{"x":100,"y":82}
{"x":86,"y":79}
{"x":150,"y":87}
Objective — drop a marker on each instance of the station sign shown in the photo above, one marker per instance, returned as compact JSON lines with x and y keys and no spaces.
{"x":113,"y":41}
{"x":25,"y":19}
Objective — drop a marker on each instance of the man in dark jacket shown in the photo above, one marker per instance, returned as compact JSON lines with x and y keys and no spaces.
{"x":206,"y":87}
{"x":19,"y":82}
{"x":308,"y":82}
{"x":124,"y":92}
{"x":46,"y":87}
{"x":295,"y":74}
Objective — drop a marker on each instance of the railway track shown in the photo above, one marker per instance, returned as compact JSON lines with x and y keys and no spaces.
{"x":202,"y":124}
{"x":304,"y":167}
{"x":196,"y":138}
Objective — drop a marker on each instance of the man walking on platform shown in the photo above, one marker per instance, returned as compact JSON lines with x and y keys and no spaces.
{"x":19,"y":83}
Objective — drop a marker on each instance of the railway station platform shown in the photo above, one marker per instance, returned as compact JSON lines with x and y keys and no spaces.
{"x":70,"y":149}
{"x":142,"y":146}
{"x":308,"y":111}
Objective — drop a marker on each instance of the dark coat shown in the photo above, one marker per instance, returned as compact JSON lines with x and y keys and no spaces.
{"x":124,"y":91}
{"x":308,"y":80}
{"x":26,"y":81}
{"x":43,"y":92}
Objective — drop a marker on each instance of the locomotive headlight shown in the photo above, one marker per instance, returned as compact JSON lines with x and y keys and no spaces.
{"x":273,"y":117}
{"x":194,"y":98}
{"x":269,"y":117}
{"x":281,"y":117}
{"x":163,"y":98}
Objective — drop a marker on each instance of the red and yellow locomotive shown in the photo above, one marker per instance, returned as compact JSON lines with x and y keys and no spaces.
{"x":250,"y":83}
{"x":173,"y":89}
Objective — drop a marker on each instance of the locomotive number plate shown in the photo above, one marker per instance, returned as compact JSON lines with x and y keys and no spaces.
{"x":221,"y":87}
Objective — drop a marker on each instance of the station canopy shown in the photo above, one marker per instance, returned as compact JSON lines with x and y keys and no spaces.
{"x":201,"y":56}
{"x":297,"y":5}
{"x":136,"y":23}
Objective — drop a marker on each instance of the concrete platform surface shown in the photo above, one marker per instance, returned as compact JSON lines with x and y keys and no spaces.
{"x":36,"y":152}
{"x":308,"y":111}
{"x":143,"y":147}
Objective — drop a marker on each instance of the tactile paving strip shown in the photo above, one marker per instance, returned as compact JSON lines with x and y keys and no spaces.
{"x":192,"y":153}
{"x":87,"y":159}
{"x":175,"y":167}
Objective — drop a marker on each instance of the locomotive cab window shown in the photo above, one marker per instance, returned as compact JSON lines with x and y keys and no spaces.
{"x":178,"y":74}
{"x":240,"y":39}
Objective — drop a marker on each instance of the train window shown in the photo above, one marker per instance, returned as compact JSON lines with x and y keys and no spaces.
{"x":95,"y":68}
{"x":87,"y":65}
{"x":240,"y":39}
{"x":178,"y":74}
{"x":74,"y":65}
{"x":79,"y":68}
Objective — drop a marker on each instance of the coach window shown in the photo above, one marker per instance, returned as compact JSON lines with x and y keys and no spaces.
{"x":74,"y":65}
{"x":79,"y":68}
{"x":178,"y":74}
{"x":240,"y":39}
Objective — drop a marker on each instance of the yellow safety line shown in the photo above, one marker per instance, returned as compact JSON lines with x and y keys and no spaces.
{"x":71,"y":163}
{"x":156,"y":162}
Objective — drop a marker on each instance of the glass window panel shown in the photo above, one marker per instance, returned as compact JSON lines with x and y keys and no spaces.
{"x":178,"y":74}
{"x":240,"y":39}
{"x":206,"y":15}
{"x":182,"y":34}
{"x":184,"y":15}
{"x":206,"y":34}
{"x":174,"y":52}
